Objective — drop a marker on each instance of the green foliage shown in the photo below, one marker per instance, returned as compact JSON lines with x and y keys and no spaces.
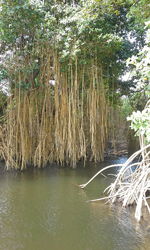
{"x":3,"y":73}
{"x":86,"y":29}
{"x":19,"y":20}
{"x":126,"y":107}
{"x":141,"y":10}
{"x":140,"y":72}
{"x":140,"y":122}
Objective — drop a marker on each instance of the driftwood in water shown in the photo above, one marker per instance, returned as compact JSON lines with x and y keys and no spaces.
{"x":132,"y":183}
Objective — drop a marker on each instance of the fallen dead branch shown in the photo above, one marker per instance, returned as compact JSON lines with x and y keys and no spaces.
{"x":132,"y":183}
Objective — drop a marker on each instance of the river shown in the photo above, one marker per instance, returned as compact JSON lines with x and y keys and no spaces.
{"x":44,"y":209}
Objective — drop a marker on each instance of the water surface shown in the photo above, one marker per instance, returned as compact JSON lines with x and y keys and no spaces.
{"x":44,"y":209}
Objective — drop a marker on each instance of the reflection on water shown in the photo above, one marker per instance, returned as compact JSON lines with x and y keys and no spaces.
{"x":44,"y":209}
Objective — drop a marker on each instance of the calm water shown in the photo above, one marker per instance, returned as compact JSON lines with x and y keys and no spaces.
{"x":44,"y":209}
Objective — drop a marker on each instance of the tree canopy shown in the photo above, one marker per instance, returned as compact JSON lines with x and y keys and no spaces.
{"x":63,"y":62}
{"x":82,"y":28}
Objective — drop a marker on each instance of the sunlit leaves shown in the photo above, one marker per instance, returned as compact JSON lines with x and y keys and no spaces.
{"x":141,"y":67}
{"x":140,"y":122}
{"x":19,"y":18}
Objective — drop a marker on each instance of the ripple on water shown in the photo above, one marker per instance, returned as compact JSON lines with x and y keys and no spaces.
{"x":44,"y":210}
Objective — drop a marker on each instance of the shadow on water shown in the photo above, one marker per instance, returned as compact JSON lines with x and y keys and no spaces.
{"x":44,"y":209}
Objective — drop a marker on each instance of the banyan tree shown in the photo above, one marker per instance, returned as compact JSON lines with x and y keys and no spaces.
{"x":61,"y":115}
{"x":61,"y":75}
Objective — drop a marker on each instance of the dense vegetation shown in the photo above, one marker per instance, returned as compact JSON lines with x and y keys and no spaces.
{"x":61,"y":69}
{"x":132,"y":182}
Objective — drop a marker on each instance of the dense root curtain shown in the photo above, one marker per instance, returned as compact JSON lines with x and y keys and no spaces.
{"x":58,"y":114}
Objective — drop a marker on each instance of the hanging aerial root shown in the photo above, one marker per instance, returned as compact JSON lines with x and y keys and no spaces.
{"x":56,"y":113}
{"x":132,"y":183}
